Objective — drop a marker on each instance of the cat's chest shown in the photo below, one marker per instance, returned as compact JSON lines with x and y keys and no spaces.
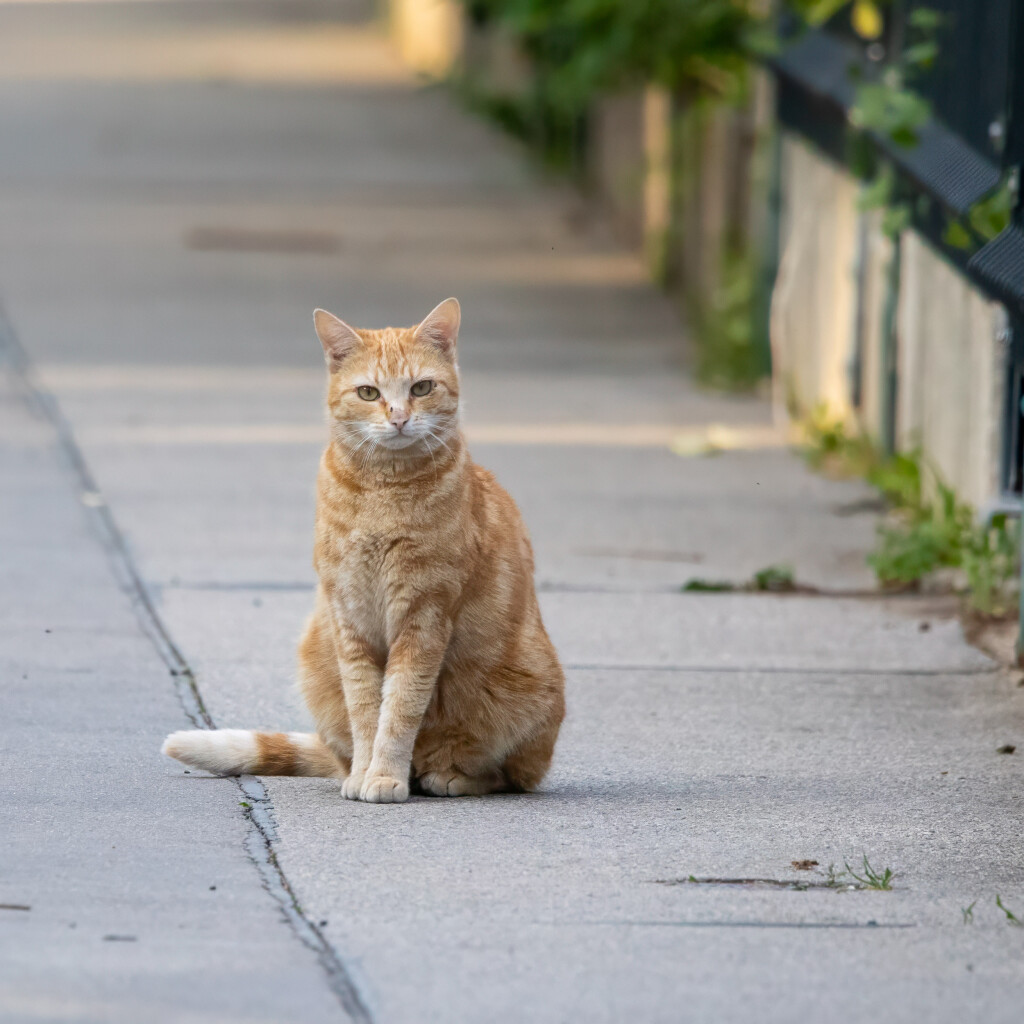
{"x":368,"y":576}
{"x":362,"y":556}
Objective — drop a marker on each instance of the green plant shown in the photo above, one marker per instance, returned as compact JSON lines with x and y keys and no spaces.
{"x":887,"y":107}
{"x":700,"y":586}
{"x":776,"y":579}
{"x":923,"y":535}
{"x":990,"y":216}
{"x":944,"y":534}
{"x":897,"y":476}
{"x":871,"y":879}
{"x":830,"y":448}
{"x":990,"y":556}
{"x":727,"y":358}
{"x":987,"y":218}
{"x":833,"y":877}
{"x":1011,"y":917}
{"x":923,"y":539}
{"x":968,"y":913}
{"x":581,"y":48}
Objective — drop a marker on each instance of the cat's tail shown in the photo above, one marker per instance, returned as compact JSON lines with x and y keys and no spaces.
{"x":244,"y":752}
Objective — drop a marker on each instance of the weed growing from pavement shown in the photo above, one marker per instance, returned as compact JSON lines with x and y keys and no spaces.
{"x":871,"y":879}
{"x":846,"y":880}
{"x":773,"y":579}
{"x":923,"y":534}
{"x":776,"y":579}
{"x":701,"y":586}
{"x":833,"y":878}
{"x":1011,"y":917}
{"x":968,"y":913}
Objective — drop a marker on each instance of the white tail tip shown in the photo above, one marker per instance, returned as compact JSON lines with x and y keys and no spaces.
{"x":221,"y":751}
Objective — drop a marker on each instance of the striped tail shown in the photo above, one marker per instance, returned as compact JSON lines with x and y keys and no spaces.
{"x":244,"y":752}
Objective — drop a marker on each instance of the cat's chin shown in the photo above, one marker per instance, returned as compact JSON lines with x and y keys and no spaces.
{"x":402,"y":443}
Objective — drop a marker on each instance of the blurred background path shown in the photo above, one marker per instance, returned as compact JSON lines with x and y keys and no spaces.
{"x":180,"y":184}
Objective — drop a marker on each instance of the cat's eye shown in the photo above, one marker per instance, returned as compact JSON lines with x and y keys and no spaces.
{"x":368,"y":394}
{"x":422,"y":387}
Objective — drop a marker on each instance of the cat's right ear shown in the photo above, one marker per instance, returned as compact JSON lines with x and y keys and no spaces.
{"x":338,"y":339}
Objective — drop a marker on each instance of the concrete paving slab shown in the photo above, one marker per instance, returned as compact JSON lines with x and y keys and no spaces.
{"x":554,"y":905}
{"x":661,"y":775}
{"x":138,"y":902}
{"x":677,"y":520}
{"x":752,"y":731}
{"x":242,"y":640}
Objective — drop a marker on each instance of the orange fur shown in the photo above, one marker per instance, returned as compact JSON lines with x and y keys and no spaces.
{"x":425,"y":658}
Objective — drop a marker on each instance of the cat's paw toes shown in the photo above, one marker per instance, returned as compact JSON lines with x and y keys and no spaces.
{"x":382,"y":789}
{"x":352,"y":786}
{"x":438,"y":783}
{"x":452,"y":783}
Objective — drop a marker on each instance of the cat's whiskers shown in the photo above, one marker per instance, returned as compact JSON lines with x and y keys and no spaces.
{"x":374,"y":445}
{"x":343,"y":431}
{"x":430,"y":451}
{"x":440,"y":441}
{"x":358,"y":432}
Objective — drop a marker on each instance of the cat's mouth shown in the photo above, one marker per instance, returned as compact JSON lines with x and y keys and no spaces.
{"x":396,"y":440}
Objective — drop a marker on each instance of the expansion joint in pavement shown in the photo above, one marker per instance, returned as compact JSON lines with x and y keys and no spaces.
{"x":784,"y":670}
{"x":261,"y":835}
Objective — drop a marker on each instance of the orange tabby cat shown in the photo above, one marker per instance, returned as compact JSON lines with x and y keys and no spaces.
{"x":425,"y":658}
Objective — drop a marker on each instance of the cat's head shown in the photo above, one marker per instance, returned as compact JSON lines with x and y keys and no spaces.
{"x":394,"y":390}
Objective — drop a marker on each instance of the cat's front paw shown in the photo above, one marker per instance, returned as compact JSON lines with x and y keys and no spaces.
{"x":353,"y":785}
{"x":383,"y":789}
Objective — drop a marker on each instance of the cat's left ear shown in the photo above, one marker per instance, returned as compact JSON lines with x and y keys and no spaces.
{"x":441,"y":327}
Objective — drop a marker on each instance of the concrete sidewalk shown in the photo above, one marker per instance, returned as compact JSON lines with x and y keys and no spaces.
{"x":186,"y":183}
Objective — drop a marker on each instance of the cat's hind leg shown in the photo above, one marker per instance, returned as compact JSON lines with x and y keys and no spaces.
{"x":449,"y":762}
{"x":522,"y":771}
{"x":451,"y":782}
{"x":527,"y":765}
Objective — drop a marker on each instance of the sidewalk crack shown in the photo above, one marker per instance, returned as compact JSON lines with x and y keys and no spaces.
{"x":262,"y":833}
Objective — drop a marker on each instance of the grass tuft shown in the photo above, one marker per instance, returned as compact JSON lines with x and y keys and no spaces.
{"x":871,"y":879}
{"x":923,"y":534}
{"x":776,"y":579}
{"x":1011,"y":917}
{"x":699,"y":586}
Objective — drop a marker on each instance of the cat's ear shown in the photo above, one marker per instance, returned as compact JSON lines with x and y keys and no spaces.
{"x":441,"y":327}
{"x":338,"y":339}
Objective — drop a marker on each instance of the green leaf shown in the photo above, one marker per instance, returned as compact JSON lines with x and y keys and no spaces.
{"x":817,"y":12}
{"x":921,"y":55}
{"x":776,"y":579}
{"x":706,"y":586}
{"x":957,"y":236}
{"x":878,"y":193}
{"x":991,"y":215}
{"x":896,"y":219}
{"x":1011,"y":917}
{"x":926,"y":18}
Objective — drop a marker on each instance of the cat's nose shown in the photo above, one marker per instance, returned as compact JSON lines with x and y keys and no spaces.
{"x":398,"y":419}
